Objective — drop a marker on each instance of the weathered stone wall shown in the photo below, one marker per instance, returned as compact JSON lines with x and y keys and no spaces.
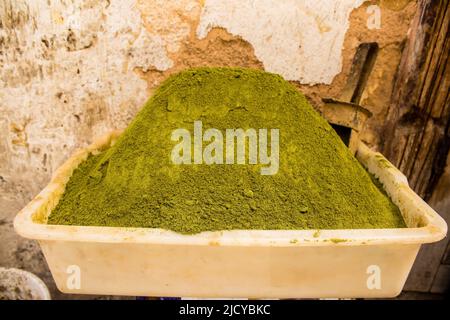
{"x":73,"y":70}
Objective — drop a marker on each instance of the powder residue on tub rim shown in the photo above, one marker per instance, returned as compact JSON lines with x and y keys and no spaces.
{"x":319,"y":184}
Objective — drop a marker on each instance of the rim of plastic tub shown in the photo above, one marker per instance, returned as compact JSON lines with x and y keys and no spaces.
{"x":424,"y":224}
{"x":37,"y":287}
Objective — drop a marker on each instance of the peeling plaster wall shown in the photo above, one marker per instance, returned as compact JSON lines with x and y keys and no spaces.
{"x":301,"y":40}
{"x":72,"y":70}
{"x":64,"y":79}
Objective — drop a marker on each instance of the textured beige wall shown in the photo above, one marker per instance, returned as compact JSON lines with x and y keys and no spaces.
{"x":72,"y":70}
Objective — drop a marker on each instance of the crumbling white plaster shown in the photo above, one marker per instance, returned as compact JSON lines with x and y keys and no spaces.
{"x":67,"y":76}
{"x":300,"y":39}
{"x":170,"y":20}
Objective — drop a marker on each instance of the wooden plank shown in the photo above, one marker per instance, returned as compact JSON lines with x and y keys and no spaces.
{"x":362,"y":66}
{"x":446,"y":258}
{"x":417,"y":132}
{"x":442,"y":279}
{"x":424,"y":275}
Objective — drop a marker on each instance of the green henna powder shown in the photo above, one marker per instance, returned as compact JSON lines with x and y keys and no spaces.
{"x":319,"y":184}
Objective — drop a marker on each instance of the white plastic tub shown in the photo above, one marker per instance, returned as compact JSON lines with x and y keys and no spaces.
{"x":254,"y":264}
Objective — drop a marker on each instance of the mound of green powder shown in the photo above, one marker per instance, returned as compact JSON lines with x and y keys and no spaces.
{"x":319,"y":184}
